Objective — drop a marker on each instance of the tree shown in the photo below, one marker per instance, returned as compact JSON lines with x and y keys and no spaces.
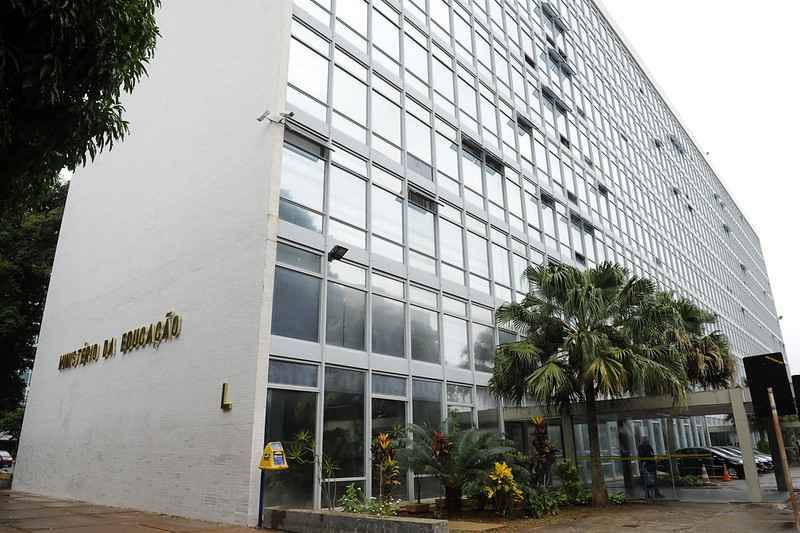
{"x":588,"y":334}
{"x":709,"y":361}
{"x":27,"y":247}
{"x":458,"y":458}
{"x":62,"y":68}
{"x":11,"y":423}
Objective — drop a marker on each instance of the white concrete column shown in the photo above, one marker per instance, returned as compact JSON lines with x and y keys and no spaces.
{"x":745,"y":446}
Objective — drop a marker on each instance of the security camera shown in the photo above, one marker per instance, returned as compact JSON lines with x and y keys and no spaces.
{"x":287,"y":114}
{"x":262,"y":116}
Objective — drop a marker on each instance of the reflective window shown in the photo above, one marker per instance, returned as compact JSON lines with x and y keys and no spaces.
{"x":388,"y":385}
{"x":308,"y":73}
{"x":349,"y":96}
{"x":286,"y":373}
{"x":424,"y":335}
{"x":295,"y":257}
{"x":454,"y":341}
{"x":343,"y":421}
{"x":478,"y":254}
{"x":421,"y":234}
{"x":426,"y":402}
{"x":347,"y":197}
{"x":483,"y":347}
{"x":386,"y":116}
{"x":452,"y":248}
{"x":387,"y":215}
{"x":288,"y":413}
{"x":302,"y":184}
{"x":388,"y":336}
{"x":295,"y":308}
{"x":345,"y":317}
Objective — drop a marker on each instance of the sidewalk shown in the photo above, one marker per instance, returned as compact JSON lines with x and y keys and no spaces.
{"x":21,"y":512}
{"x":27,"y":512}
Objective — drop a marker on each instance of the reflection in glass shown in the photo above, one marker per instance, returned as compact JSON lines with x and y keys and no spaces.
{"x":292,"y":373}
{"x":426,"y":402}
{"x":295,"y":308}
{"x":345,"y":317}
{"x":343,"y":417}
{"x":288,"y":413}
{"x":424,"y":335}
{"x":387,"y":326}
{"x":483,"y":347}
{"x":454,"y":341}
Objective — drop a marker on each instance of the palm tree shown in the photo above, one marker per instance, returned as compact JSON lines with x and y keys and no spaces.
{"x":587,"y":335}
{"x":458,"y":458}
{"x":709,"y":361}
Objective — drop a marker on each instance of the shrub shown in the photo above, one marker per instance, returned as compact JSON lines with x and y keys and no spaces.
{"x":571,"y":484}
{"x":618,"y":499}
{"x":354,"y":501}
{"x":540,"y":503}
{"x":763,"y":446}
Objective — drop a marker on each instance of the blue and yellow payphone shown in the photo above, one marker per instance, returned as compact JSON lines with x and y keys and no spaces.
{"x":273,"y":457}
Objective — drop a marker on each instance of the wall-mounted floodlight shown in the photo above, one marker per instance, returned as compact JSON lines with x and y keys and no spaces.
{"x":336,"y":253}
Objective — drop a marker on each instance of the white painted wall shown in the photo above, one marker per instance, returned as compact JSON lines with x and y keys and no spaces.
{"x":172,"y":219}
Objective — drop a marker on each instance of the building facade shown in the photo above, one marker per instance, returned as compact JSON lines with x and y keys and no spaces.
{"x":445,"y":144}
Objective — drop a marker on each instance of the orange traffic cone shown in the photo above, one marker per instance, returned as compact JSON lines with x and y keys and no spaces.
{"x":725,"y":475}
{"x":704,"y":476}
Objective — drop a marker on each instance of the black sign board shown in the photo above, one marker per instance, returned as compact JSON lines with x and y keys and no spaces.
{"x":765,"y":371}
{"x":796,"y":386}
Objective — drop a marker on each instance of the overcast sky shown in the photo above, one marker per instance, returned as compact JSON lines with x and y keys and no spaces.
{"x":729,"y":70}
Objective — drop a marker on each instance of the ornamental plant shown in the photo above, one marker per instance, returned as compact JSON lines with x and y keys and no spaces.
{"x":503,"y":489}
{"x":542,"y":456}
{"x":384,"y":462}
{"x":458,"y":458}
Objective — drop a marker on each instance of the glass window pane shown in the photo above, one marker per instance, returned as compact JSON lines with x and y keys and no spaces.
{"x":387,"y":215}
{"x":308,"y":71}
{"x":348,"y":197}
{"x":424,"y":335}
{"x":386,"y":117}
{"x":302,"y":177}
{"x":291,"y":256}
{"x":292,"y":374}
{"x":345,"y":318}
{"x":295,"y":308}
{"x":349,"y":96}
{"x":387,"y":326}
{"x":500,"y":265}
{"x":418,"y":138}
{"x":388,"y":385}
{"x":459,"y":394}
{"x":452,"y":246}
{"x":421,"y":234}
{"x":389,"y":286}
{"x":454,"y":341}
{"x":288,"y":413}
{"x":478,"y":254}
{"x":343,"y":430}
{"x":483,"y":347}
{"x":347,"y":273}
{"x":427,"y":402}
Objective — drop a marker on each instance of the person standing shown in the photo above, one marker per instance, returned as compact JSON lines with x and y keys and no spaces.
{"x":648,"y":463}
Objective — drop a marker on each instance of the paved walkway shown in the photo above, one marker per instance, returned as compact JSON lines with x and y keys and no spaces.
{"x":20,"y":512}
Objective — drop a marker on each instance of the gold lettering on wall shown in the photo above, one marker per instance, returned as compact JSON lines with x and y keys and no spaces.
{"x":152,"y":335}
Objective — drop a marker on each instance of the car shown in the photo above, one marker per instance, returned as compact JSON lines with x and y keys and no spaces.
{"x":691,"y":461}
{"x":5,"y":459}
{"x":763,"y":461}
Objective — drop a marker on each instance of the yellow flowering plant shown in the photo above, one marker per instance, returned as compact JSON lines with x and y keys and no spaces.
{"x":503,"y":489}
